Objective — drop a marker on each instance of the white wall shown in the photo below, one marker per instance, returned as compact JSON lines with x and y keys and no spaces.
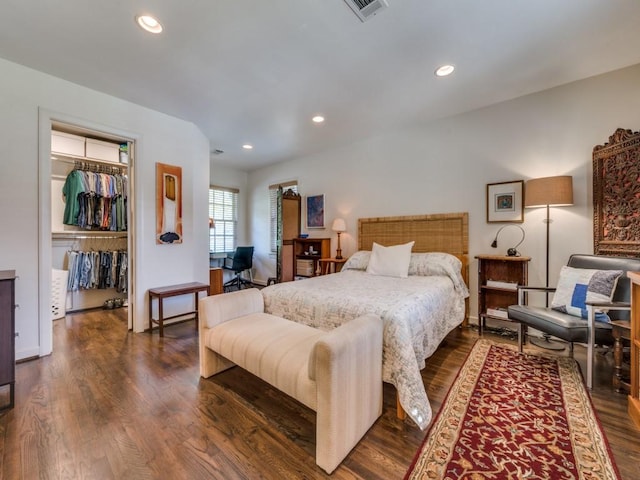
{"x":28,"y":97}
{"x":222,"y":176}
{"x":444,"y":166}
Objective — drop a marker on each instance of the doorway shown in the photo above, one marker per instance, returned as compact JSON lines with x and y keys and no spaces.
{"x":59,"y":236}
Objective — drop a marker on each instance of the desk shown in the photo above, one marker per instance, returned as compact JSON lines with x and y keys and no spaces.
{"x":216,"y":285}
{"x":325,"y":265}
{"x":171,"y":291}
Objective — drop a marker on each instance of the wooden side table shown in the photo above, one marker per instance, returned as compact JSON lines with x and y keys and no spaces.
{"x":634,"y":394}
{"x":327,"y":263}
{"x":498,"y":278}
{"x":171,"y":291}
{"x":621,"y":330}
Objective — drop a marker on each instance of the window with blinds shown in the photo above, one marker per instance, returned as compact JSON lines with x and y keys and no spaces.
{"x":273,"y":210}
{"x":223,"y":210}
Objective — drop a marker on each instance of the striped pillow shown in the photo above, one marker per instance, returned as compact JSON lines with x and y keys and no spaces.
{"x":580,"y":285}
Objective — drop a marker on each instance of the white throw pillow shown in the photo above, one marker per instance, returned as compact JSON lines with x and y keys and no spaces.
{"x":390,"y":261}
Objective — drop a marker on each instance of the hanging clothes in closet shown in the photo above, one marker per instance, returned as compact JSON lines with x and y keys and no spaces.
{"x":95,"y":199}
{"x":97,"y":269}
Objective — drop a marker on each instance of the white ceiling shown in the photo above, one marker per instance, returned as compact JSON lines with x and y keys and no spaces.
{"x":257,"y":70}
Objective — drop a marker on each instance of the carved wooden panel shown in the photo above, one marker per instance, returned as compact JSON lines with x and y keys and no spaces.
{"x":616,"y":195}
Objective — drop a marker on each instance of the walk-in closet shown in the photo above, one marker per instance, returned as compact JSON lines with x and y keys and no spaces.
{"x":90,"y":219}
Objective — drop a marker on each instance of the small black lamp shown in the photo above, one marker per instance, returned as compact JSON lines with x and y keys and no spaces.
{"x":511,"y":252}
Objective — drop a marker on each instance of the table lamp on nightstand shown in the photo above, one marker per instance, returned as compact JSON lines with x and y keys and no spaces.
{"x":339,"y":226}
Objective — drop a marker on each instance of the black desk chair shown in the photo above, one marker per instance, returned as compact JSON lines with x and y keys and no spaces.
{"x":575,"y":329}
{"x":242,"y":260}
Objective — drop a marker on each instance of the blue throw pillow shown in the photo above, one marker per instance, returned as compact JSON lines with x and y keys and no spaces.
{"x":577,"y":286}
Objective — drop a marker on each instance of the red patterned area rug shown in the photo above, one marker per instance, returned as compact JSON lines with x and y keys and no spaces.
{"x":511,"y":415}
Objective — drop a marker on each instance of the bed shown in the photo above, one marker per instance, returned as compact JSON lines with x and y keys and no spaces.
{"x":418,"y":311}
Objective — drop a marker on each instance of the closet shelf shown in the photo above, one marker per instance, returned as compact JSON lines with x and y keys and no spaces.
{"x":87,"y":235}
{"x":73,"y":159}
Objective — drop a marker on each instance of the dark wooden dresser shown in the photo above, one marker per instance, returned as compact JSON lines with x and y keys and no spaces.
{"x":7,"y":334}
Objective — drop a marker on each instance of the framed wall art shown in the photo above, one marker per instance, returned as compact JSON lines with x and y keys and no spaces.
{"x":505,"y":202}
{"x":168,"y":204}
{"x":315,"y":211}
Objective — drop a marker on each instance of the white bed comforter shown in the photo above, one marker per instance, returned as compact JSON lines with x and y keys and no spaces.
{"x":418,"y":312}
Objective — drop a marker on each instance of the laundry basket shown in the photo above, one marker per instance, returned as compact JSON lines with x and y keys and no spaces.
{"x":58,"y":293}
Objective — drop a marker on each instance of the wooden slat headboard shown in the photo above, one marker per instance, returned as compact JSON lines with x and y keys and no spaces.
{"x":440,"y":232}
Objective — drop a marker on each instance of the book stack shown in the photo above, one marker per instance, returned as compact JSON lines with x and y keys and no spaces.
{"x":500,"y":284}
{"x":498,"y":312}
{"x":304,"y":267}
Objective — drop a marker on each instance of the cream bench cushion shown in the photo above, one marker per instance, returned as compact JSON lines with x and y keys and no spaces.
{"x":272,"y":348}
{"x":338,"y":373}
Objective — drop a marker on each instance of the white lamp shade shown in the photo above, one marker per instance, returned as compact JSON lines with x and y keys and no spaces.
{"x":339,"y":225}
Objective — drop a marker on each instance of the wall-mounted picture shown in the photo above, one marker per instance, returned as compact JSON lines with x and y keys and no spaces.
{"x":168,"y":204}
{"x":504,"y":202}
{"x":315,"y":211}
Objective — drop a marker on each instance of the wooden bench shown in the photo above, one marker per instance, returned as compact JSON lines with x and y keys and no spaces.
{"x":161,"y":293}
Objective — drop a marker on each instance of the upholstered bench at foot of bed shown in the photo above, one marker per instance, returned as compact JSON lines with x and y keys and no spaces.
{"x":338,"y":374}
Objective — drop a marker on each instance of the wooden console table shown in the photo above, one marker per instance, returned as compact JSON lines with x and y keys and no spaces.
{"x":171,"y":291}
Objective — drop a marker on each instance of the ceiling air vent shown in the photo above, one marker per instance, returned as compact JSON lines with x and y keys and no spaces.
{"x":365,"y":9}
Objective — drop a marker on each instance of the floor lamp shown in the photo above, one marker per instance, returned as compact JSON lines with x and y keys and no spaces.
{"x":548,"y":192}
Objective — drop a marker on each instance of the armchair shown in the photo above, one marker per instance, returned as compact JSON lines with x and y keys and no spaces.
{"x":572,"y":328}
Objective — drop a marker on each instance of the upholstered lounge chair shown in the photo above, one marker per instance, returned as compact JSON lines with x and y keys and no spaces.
{"x":572,"y":328}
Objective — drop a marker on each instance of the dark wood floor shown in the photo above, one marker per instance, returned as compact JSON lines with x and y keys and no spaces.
{"x":108,"y":404}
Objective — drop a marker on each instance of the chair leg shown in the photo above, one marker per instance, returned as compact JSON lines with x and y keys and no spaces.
{"x":231,"y":283}
{"x":590,"y":351}
{"x":591,"y":319}
{"x":522,"y":329}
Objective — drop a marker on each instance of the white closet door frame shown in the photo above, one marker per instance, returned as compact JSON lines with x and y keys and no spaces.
{"x":46,"y":119}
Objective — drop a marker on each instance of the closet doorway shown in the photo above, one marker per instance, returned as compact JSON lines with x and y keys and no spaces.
{"x":87,"y":224}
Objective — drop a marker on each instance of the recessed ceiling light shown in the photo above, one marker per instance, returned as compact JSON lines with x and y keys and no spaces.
{"x":445,"y":70}
{"x":149,"y":23}
{"x":318,"y":119}
{"x":247,"y":146}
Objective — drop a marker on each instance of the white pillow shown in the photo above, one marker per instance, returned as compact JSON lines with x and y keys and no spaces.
{"x":357,"y":261}
{"x":390,"y":261}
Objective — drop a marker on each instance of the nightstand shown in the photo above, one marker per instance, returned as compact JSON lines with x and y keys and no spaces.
{"x":326,"y":263}
{"x":498,"y":280}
